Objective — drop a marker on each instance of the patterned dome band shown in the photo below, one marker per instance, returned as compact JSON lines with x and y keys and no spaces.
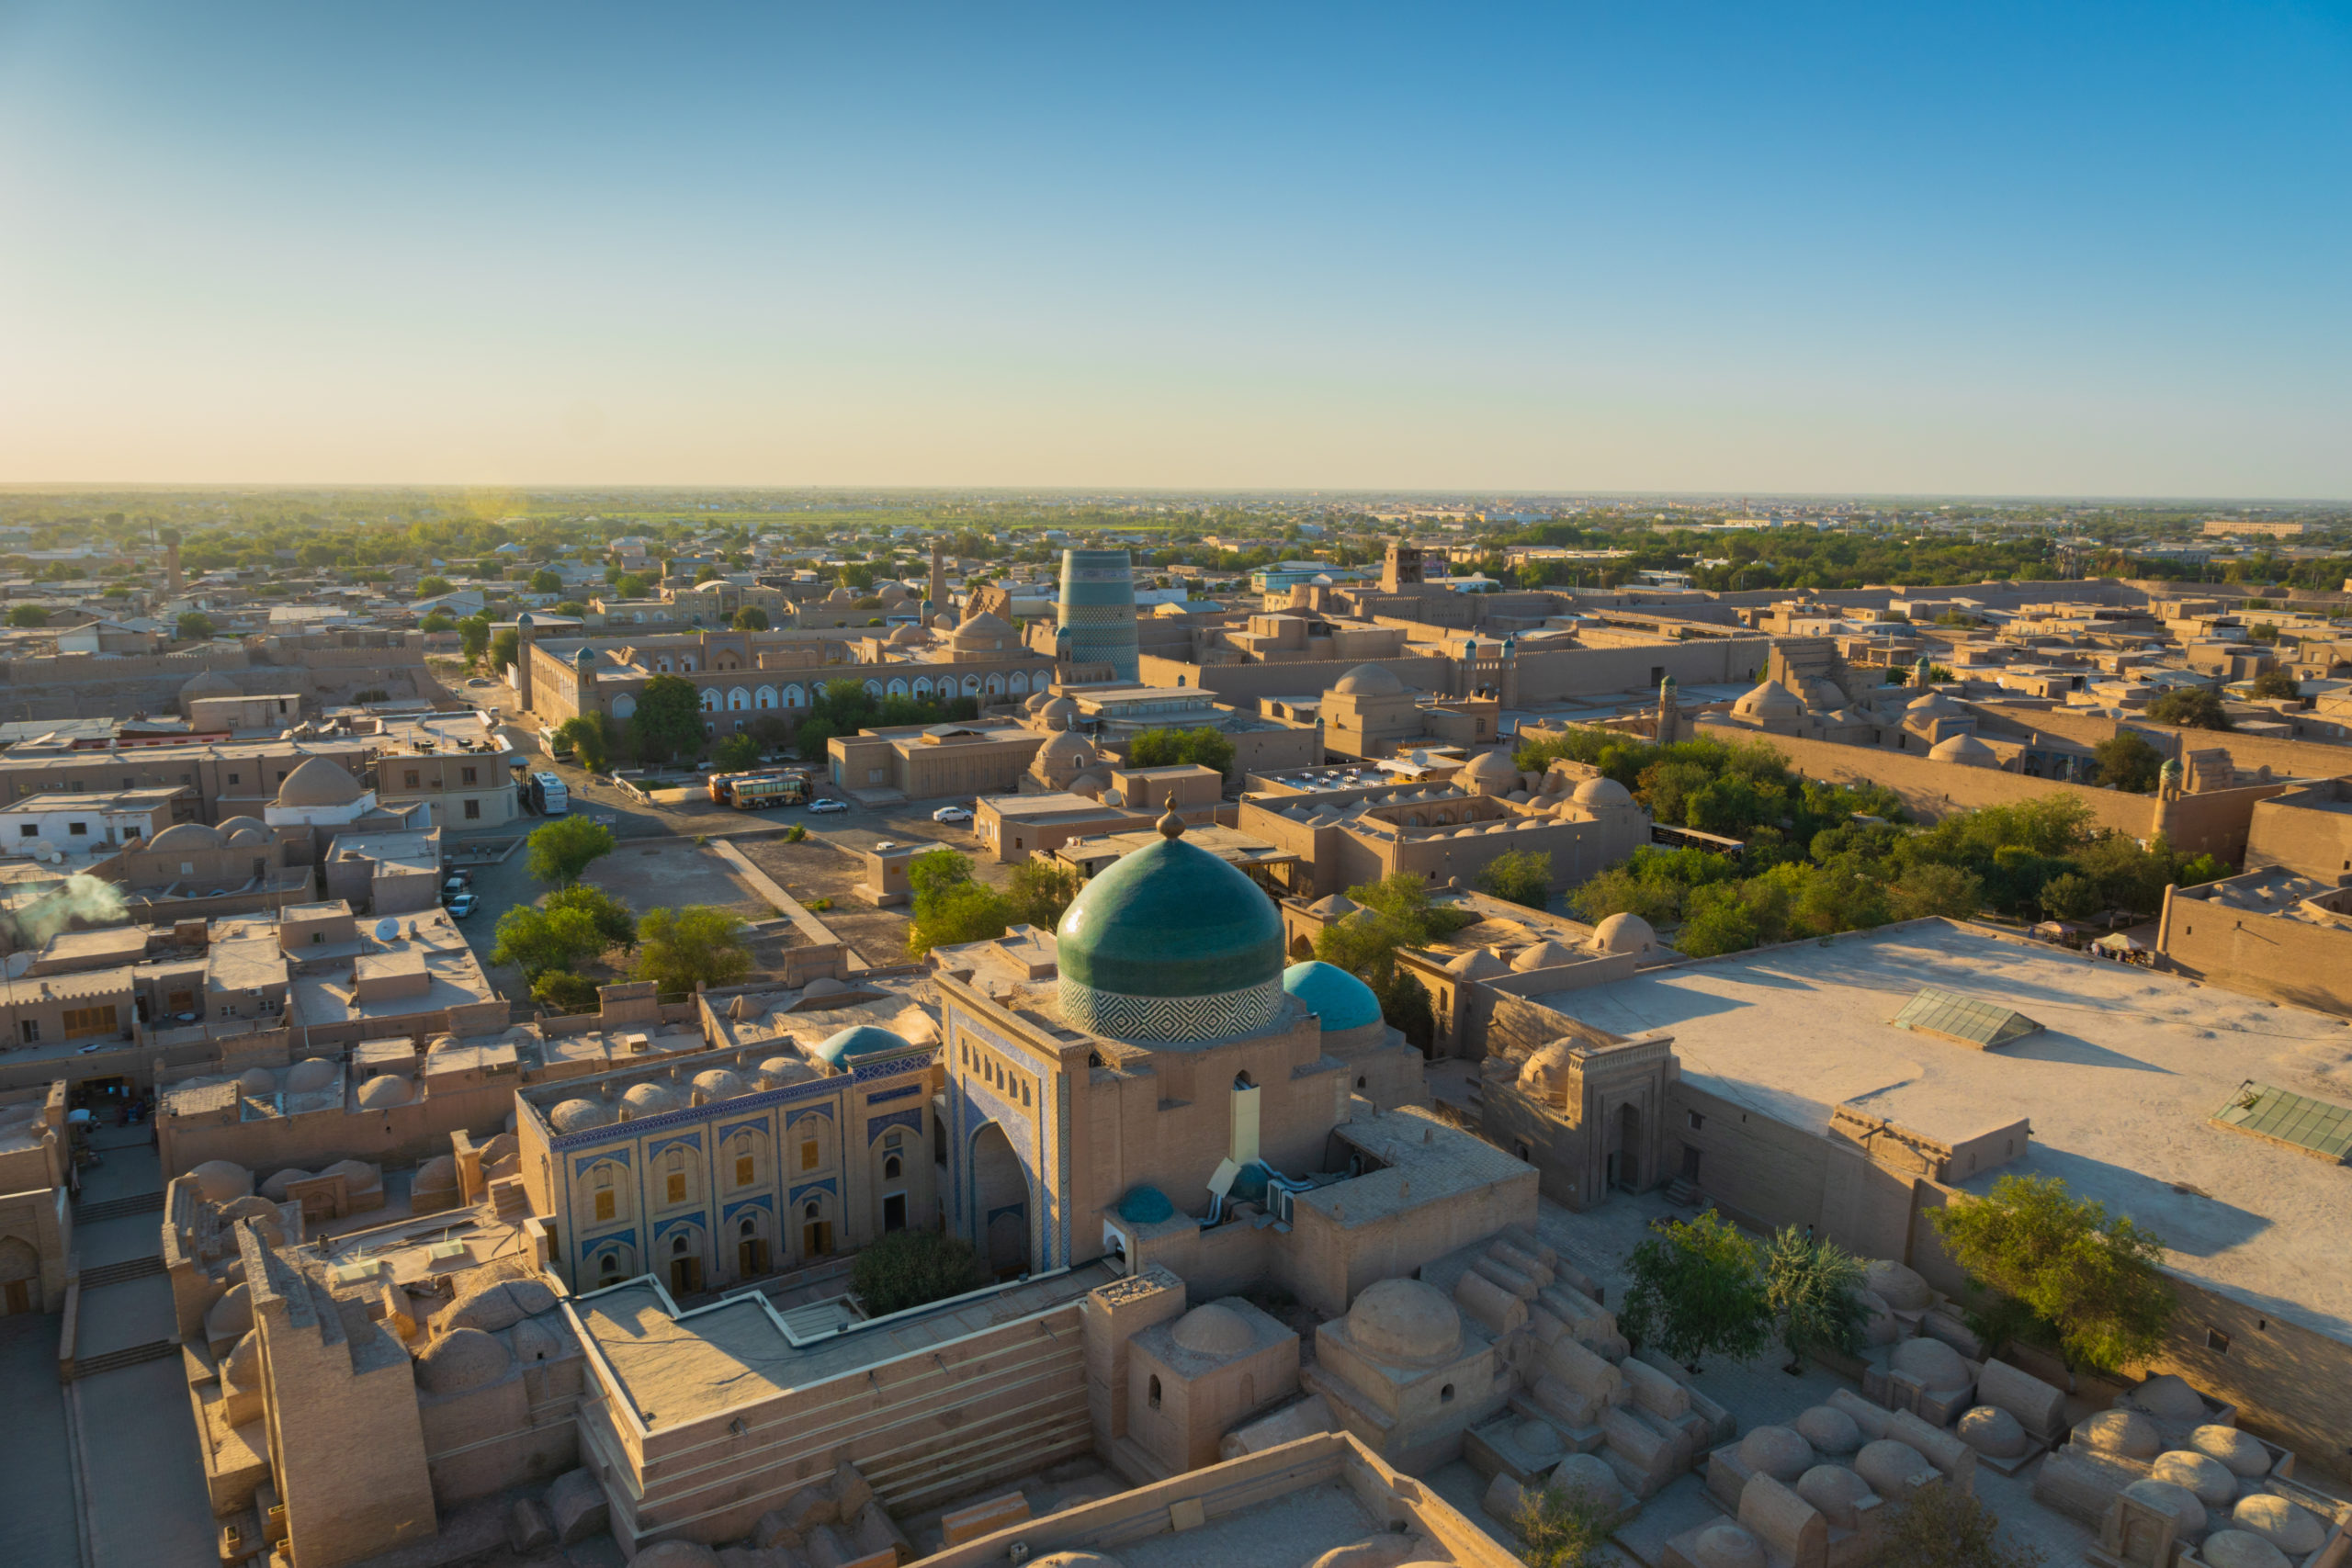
{"x":1224,"y":1015}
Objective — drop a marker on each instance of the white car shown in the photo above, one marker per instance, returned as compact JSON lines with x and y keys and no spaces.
{"x":827,"y":806}
{"x":951,"y":814}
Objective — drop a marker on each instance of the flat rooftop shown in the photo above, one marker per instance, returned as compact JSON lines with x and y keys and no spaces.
{"x":677,"y":1369}
{"x":2119,"y":1084}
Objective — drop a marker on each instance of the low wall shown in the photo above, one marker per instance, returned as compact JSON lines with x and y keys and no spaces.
{"x":2295,"y":759}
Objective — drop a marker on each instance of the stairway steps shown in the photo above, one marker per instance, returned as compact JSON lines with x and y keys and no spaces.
{"x":114,"y":1360}
{"x":119,"y":1208}
{"x":116,"y":1273}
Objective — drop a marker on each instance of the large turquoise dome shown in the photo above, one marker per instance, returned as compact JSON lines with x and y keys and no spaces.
{"x":1170,"y":943}
{"x":1333,"y":994}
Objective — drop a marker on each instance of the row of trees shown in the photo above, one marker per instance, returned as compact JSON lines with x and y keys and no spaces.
{"x":1826,"y":858}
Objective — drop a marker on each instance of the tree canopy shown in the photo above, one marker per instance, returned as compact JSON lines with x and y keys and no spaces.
{"x":910,"y":1268}
{"x":678,"y":949}
{"x":1521,"y":876}
{"x":1697,"y":1291}
{"x":2063,"y":1271}
{"x":1168,"y":748}
{"x":667,"y":724}
{"x":559,"y":851}
{"x":2193,"y":707}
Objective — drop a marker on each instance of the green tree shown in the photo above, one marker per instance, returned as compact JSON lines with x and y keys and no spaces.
{"x":558,"y":988}
{"x":475,"y":630}
{"x":34,"y":615}
{"x":751,"y":618}
{"x":1167,"y":748}
{"x":2193,"y":707}
{"x":1394,"y":913}
{"x":589,"y":736}
{"x":2070,"y":896}
{"x":506,"y":649}
{"x":668,"y":721}
{"x":735,"y":753}
{"x":545,"y":582}
{"x":629,"y":585}
{"x":612,"y":918}
{"x":559,"y":851}
{"x":2091,"y":1280}
{"x":2275,"y":684}
{"x":1933,"y":889}
{"x":1697,"y":1291}
{"x":1042,"y":891}
{"x":436,"y":621}
{"x":2127,"y":761}
{"x":1943,"y":1527}
{"x":432,"y":587}
{"x":536,"y":940}
{"x":194,"y":625}
{"x":571,"y":607}
{"x":911,"y":1268}
{"x":949,"y":905}
{"x":679,"y":948}
{"x":1813,"y":1289}
{"x":1520,"y":877}
{"x":809,"y":741}
{"x":1563,"y":1526}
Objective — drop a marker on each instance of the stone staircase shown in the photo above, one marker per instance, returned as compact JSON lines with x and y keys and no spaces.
{"x":116,"y":1273}
{"x":119,"y":1208}
{"x":129,"y":1356}
{"x":1683,"y":1193}
{"x":508,"y":1201}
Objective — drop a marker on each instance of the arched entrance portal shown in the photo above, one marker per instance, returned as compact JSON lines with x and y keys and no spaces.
{"x":686,"y":1266}
{"x":750,"y":1247}
{"x":1000,"y":1203}
{"x":19,"y":1277}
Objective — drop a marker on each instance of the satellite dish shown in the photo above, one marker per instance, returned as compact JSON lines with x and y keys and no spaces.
{"x":387,"y":928}
{"x":17,"y":964}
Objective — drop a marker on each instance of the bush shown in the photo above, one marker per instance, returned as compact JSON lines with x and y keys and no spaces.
{"x":795,"y":833}
{"x":557,"y":989}
{"x":1942,"y":1526}
{"x":1519,"y":876}
{"x":906,"y":1269}
{"x":2193,"y":707}
{"x":1562,"y":1527}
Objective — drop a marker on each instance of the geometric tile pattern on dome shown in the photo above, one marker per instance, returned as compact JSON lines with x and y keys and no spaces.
{"x":2319,"y":1125}
{"x":1226,"y":1015}
{"x":1971,"y":1023}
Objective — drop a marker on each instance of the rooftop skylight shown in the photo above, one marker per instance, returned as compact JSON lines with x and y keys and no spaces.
{"x":2315,"y":1126}
{"x":1963,"y":1020}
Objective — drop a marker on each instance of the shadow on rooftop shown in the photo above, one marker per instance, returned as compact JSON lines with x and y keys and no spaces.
{"x":2187,"y":1221}
{"x":2052,"y":1046}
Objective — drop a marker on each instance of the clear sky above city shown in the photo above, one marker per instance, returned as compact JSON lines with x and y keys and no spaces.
{"x":2042,"y":249}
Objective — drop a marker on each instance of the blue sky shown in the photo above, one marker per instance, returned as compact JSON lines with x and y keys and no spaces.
{"x":2051,"y":248}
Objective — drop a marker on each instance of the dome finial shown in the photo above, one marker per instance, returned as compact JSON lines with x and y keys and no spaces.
{"x":1171,"y":826}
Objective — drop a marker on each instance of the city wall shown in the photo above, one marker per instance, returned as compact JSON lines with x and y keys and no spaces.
{"x":2296,"y":759}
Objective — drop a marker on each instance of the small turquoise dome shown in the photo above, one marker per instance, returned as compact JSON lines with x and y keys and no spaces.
{"x":1144,"y":1205}
{"x":1170,"y":943}
{"x":864,"y":1040}
{"x":1332,"y":994}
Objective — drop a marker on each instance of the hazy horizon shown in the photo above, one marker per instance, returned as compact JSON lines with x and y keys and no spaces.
{"x":2071,"y":252}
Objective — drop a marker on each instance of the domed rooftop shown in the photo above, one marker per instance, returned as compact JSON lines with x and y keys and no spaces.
{"x":385,"y":1089}
{"x":1728,"y":1546}
{"x":578,"y":1116}
{"x":247,"y":836}
{"x":257,"y":1080}
{"x":1066,"y":749}
{"x":1478,"y":963}
{"x":1835,"y":1490}
{"x":1170,"y":943}
{"x":1491,"y":769}
{"x":311,"y":1074}
{"x":239,"y":824}
{"x":209,"y":684}
{"x":1060,"y":712}
{"x":461,"y":1359}
{"x":221,"y":1183}
{"x":1038,"y":699}
{"x":985,"y":629}
{"x":1369,"y":681}
{"x":1331,"y":906}
{"x":1546,"y":1068}
{"x":319,"y":782}
{"x":890,"y":593}
{"x":1935,"y":705}
{"x":649,"y":1100}
{"x":1965,"y":749}
{"x":718,"y":1083}
{"x":1544,"y":954}
{"x":436,"y":1175}
{"x":1600,"y":792}
{"x":1332,"y":994}
{"x":778,"y":1071}
{"x":907,"y":635}
{"x":1146,"y":1205}
{"x":185,"y":836}
{"x":841,"y":595}
{"x":1404,"y":1322}
{"x":1625,"y":933}
{"x":860,"y":1040}
{"x":1771,"y":697}
{"x":1213,"y":1330}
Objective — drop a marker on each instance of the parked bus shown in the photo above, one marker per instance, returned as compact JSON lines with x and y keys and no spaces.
{"x":560,"y":751}
{"x":549,"y":797}
{"x":720,"y":783}
{"x":757,"y":791}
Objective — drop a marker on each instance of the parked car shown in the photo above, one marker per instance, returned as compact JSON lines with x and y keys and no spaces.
{"x":952,"y":814}
{"x":457,"y":883}
{"x":829,"y":806}
{"x":481,"y":681}
{"x":464,"y":903}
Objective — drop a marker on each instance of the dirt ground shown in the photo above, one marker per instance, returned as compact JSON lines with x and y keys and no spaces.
{"x":673,"y":873}
{"x":814,"y":870}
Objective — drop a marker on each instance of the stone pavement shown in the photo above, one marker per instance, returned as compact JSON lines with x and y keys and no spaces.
{"x":36,"y":1469}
